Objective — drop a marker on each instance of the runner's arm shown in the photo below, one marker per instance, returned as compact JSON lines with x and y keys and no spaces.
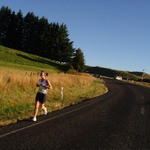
{"x":49,"y":86}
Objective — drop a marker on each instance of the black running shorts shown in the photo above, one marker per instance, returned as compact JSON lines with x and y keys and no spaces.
{"x":40,"y":97}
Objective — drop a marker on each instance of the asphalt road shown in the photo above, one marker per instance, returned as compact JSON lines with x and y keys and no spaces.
{"x":119,"y":119}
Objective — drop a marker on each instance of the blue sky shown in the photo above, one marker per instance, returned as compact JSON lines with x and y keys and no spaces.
{"x":111,"y":33}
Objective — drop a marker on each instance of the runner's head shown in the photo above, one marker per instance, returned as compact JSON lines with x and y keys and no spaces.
{"x":43,"y":74}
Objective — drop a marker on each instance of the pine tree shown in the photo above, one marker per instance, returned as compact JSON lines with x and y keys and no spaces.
{"x":19,"y":31}
{"x":5,"y":19}
{"x":78,"y":60}
{"x":30,"y":33}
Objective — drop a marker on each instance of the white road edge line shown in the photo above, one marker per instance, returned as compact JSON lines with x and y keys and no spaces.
{"x":21,"y":129}
{"x":15,"y":131}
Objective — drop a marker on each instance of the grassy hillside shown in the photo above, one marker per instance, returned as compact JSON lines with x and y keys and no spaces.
{"x":19,"y":73}
{"x":112,"y":73}
{"x":10,"y":58}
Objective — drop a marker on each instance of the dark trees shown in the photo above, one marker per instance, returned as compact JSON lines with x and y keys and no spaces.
{"x":37,"y":36}
{"x":78,"y":60}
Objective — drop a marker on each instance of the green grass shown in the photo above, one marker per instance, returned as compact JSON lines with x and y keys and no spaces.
{"x":10,"y":58}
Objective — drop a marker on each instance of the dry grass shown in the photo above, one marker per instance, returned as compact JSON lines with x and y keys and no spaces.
{"x":18,"y":90}
{"x":146,"y":84}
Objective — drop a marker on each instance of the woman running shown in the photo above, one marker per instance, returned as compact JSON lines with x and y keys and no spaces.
{"x":40,"y":99}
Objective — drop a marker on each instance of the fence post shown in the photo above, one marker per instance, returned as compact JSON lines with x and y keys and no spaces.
{"x":62,"y":93}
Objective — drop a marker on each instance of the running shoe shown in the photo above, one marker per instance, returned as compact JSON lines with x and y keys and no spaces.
{"x":45,"y":111}
{"x":34,"y":119}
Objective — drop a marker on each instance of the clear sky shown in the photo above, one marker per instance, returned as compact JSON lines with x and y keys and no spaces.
{"x":111,"y":33}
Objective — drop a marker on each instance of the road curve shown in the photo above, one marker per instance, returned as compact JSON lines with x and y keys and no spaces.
{"x":119,"y":119}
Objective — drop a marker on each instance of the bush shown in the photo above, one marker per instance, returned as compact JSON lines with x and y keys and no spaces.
{"x":72,"y":71}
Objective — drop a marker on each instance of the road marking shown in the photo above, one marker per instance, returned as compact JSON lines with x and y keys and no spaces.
{"x":21,"y":129}
{"x":15,"y":131}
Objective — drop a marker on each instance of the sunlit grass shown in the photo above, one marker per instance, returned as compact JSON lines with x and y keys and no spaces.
{"x":18,"y":90}
{"x":146,"y":84}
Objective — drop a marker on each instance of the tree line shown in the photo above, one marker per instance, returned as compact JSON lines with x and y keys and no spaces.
{"x":37,"y":36}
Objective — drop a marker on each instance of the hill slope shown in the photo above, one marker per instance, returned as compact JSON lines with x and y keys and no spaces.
{"x":10,"y":58}
{"x":112,"y":73}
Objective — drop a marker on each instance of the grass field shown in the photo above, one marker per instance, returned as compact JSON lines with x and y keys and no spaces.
{"x":19,"y":73}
